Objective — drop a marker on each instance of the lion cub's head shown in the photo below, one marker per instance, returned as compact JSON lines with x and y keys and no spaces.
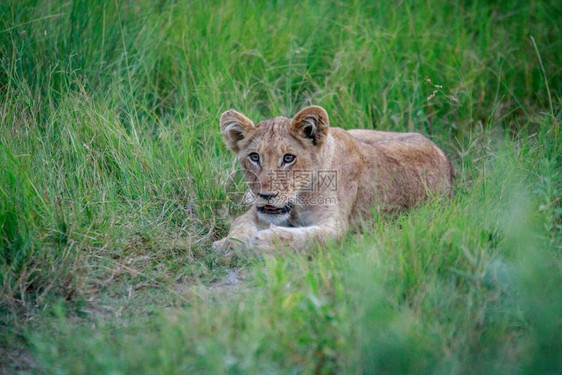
{"x":279,"y":156}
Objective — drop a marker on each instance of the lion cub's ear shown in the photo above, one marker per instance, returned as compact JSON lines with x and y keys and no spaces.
{"x":234,"y":128}
{"x":312,"y":123}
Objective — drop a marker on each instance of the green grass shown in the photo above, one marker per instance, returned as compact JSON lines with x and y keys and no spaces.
{"x":111,"y":172}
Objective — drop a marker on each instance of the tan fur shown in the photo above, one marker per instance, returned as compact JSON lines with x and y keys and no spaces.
{"x":384,"y":170}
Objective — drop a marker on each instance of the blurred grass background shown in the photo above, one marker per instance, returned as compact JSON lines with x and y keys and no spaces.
{"x":111,"y":173}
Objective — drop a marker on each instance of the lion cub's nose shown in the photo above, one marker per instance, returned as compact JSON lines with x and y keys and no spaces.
{"x":267,"y":195}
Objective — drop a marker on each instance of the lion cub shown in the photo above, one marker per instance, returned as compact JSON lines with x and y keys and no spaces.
{"x":312,"y":181}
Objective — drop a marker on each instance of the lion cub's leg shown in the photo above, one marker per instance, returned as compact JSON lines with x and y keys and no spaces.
{"x":298,"y":238}
{"x":242,"y":230}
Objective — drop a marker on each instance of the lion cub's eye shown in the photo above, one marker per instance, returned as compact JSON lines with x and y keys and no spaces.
{"x":289,"y":158}
{"x":254,"y":157}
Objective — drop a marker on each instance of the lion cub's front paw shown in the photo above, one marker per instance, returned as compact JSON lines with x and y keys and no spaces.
{"x":264,"y":240}
{"x":227,"y":246}
{"x":221,"y":245}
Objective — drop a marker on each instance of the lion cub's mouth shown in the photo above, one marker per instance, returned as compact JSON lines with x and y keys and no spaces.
{"x":272,"y":210}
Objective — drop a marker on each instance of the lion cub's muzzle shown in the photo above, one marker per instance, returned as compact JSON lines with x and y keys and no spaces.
{"x":273,"y":204}
{"x":273,"y":210}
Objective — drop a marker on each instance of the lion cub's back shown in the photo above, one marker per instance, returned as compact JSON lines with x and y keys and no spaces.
{"x":406,"y":166}
{"x":375,"y":136}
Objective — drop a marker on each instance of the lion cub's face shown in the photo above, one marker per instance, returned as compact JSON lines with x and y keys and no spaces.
{"x":278,"y":156}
